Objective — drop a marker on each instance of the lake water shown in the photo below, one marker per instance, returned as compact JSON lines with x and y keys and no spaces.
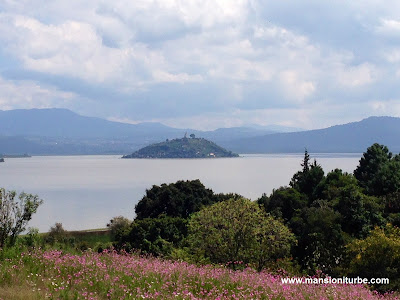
{"x":84,"y":192}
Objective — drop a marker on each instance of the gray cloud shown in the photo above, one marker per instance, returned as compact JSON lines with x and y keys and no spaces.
{"x":205,"y":64}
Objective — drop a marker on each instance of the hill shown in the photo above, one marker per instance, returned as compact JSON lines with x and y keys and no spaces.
{"x":352,"y":137}
{"x":58,"y":122}
{"x":182,"y":148}
{"x":58,"y":131}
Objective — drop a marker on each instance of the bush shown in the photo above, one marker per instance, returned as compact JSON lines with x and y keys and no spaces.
{"x":156,"y":236}
{"x":119,"y":227}
{"x":239,"y":232}
{"x":32,"y":239}
{"x":57,"y":233}
{"x":15,"y":214}
{"x":377,"y":256}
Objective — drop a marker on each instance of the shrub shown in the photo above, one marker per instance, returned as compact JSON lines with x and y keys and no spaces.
{"x":119,"y":227}
{"x":15,"y":213}
{"x":238,"y":231}
{"x":377,"y":256}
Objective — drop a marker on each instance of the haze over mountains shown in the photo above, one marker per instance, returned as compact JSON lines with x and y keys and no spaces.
{"x":61,"y":131}
{"x":351,"y":137}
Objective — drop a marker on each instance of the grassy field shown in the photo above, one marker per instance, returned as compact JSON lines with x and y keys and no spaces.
{"x":53,"y":274}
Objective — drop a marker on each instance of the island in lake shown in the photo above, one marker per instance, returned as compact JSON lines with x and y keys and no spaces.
{"x":182,"y":148}
{"x":15,"y":155}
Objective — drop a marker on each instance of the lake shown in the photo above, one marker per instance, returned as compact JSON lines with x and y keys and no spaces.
{"x":84,"y":192}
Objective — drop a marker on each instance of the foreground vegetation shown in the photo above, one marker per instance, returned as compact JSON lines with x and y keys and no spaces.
{"x":53,"y":274}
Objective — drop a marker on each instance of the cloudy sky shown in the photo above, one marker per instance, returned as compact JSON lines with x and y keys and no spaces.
{"x":203,"y":63}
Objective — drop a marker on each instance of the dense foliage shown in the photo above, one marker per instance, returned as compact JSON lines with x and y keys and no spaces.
{"x":179,"y":199}
{"x":333,"y":216}
{"x":237,"y":230}
{"x":319,"y":219}
{"x":378,"y":255}
{"x":379,"y":172}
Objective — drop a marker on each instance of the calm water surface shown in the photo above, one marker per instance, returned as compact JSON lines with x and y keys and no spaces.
{"x":85,"y":192}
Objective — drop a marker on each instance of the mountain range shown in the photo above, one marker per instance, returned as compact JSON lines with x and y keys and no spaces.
{"x":61,"y":132}
{"x":351,"y":137}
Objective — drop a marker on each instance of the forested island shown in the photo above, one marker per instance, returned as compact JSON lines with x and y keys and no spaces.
{"x":182,"y":148}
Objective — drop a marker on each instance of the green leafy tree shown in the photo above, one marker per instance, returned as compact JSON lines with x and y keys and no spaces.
{"x":156,"y":236}
{"x":178,"y":199}
{"x":283,"y":202}
{"x":320,"y":238}
{"x":377,"y":256}
{"x":331,"y":186}
{"x":359,"y":212}
{"x":307,"y":180}
{"x":377,"y":172}
{"x":238,"y":230}
{"x":15,"y":213}
{"x":57,"y":233}
{"x":119,"y":226}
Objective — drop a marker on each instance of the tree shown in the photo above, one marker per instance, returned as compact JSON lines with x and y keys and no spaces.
{"x":238,"y":230}
{"x":192,"y":136}
{"x":283,"y":202}
{"x":119,"y":226}
{"x":377,"y":173}
{"x":307,"y":180}
{"x":359,"y":212}
{"x":320,"y":238}
{"x":178,"y":199}
{"x":15,"y":213}
{"x":57,"y":233}
{"x":156,"y":236}
{"x":331,"y":186}
{"x":377,"y":256}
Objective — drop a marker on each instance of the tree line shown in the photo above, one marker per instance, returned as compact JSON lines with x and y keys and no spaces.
{"x":338,"y":223}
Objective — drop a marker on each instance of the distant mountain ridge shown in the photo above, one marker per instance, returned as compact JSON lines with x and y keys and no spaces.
{"x":63,"y":132}
{"x":350,"y":137}
{"x":58,"y":122}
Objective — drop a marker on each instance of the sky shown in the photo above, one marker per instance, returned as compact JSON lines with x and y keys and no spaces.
{"x":203,"y":64}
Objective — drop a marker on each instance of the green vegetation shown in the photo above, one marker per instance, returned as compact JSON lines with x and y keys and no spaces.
{"x":339,"y":224}
{"x":182,"y":148}
{"x":238,"y":231}
{"x":15,"y":213}
{"x":317,"y":220}
{"x":378,"y":255}
{"x":179,"y":199}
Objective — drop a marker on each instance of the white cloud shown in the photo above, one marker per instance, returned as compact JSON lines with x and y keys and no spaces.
{"x":389,"y":27}
{"x":28,"y":94}
{"x":294,"y":87}
{"x":242,"y":55}
{"x":360,"y":75}
{"x":388,"y":107}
